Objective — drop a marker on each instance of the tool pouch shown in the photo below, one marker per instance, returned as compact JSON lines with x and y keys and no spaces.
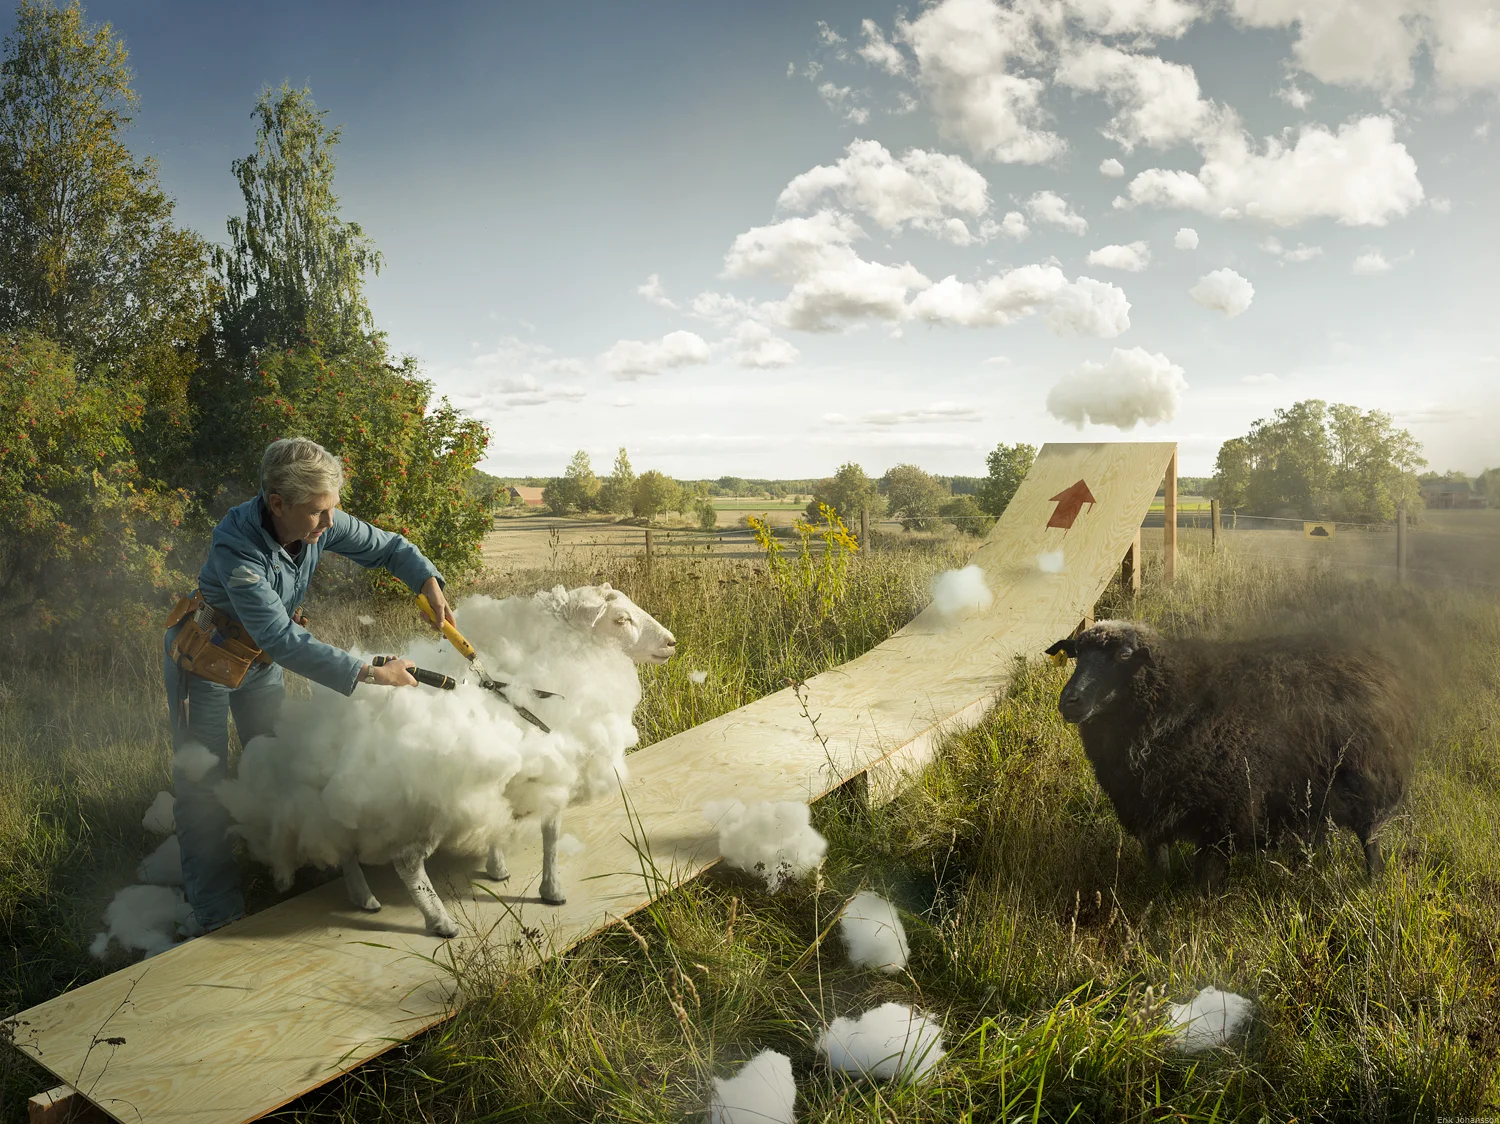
{"x":211,"y":644}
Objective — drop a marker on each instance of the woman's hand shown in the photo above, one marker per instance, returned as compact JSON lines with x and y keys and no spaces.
{"x":434,"y":594}
{"x":392,"y":673}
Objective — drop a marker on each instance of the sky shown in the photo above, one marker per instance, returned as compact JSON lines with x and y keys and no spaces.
{"x":764,"y":239}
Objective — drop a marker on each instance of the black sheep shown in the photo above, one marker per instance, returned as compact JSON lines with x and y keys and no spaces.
{"x":1230,"y":744}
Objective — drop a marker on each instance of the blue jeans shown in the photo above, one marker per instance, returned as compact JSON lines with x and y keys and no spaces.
{"x":210,"y":875}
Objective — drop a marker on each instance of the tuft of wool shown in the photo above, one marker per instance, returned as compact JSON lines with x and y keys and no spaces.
{"x":145,"y":919}
{"x":1050,"y":562}
{"x":774,"y":839}
{"x":762,"y":1092}
{"x":163,"y":866}
{"x":887,"y":1041}
{"x":958,"y":592}
{"x":194,"y":760}
{"x":159,"y":818}
{"x":873,"y":933}
{"x":1211,"y":1018}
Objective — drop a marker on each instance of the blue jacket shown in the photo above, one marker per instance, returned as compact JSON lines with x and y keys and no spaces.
{"x":250,"y":576}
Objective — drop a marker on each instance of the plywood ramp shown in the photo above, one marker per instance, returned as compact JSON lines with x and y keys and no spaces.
{"x":228,"y":1027}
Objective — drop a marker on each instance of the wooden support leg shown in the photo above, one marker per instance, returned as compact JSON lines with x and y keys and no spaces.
{"x":1169,"y":522}
{"x":1130,"y":568}
{"x":64,"y":1105}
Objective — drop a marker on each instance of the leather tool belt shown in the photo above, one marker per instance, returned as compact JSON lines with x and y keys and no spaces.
{"x":212,"y":644}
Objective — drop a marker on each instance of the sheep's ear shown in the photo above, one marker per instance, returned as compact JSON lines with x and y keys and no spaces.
{"x":606,"y":587}
{"x":589,"y":612}
{"x":1063,"y":651}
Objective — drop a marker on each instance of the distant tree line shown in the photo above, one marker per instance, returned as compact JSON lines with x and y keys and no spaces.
{"x":143,"y":370}
{"x":1314,"y":460}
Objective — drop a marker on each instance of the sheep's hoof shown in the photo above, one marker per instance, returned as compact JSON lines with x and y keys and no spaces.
{"x":501,"y":875}
{"x":553,"y":896}
{"x":369,"y":905}
{"x":444,"y":928}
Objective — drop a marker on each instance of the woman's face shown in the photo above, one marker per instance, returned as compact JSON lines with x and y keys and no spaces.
{"x":306,"y":521}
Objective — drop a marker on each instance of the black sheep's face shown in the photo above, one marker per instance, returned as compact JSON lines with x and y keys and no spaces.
{"x":1101,"y":681}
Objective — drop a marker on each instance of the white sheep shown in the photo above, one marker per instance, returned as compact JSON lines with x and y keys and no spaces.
{"x":393,"y":775}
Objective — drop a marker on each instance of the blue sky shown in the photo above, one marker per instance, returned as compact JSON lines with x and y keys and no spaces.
{"x":764,"y":239}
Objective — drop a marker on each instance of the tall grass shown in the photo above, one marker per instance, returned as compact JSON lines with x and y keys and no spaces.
{"x":1039,"y":936}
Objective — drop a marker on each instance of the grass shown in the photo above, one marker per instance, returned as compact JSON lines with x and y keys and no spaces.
{"x":1038,"y":935}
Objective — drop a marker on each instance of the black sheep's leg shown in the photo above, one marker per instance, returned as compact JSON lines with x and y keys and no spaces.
{"x":1210,"y":868}
{"x":1374,"y":860}
{"x":1159,"y":855}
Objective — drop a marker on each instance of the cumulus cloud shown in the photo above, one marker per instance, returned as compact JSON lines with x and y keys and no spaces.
{"x":1359,"y":176}
{"x":1084,"y":307}
{"x":1134,"y":17}
{"x":1112,"y":168}
{"x":762,"y":1092}
{"x":1294,"y":96}
{"x":1050,"y":207}
{"x":1156,"y":103}
{"x":1132,"y":257}
{"x":1372,"y":43}
{"x":757,"y":347}
{"x":1013,"y":225}
{"x":829,"y":281}
{"x":1187,"y":239}
{"x":652,"y":290}
{"x":1371,"y":261}
{"x":1131,"y":387}
{"x":968,"y":54}
{"x":925,"y":190}
{"x":1223,"y":290}
{"x":722,"y":308}
{"x":841,"y":99}
{"x":630,"y":359}
{"x":773,"y":839}
{"x":888,"y":1041}
{"x":873,"y":934}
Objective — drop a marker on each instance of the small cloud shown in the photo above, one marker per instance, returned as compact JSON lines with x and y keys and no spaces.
{"x":1261,"y":380}
{"x":937,"y":412}
{"x":1133,"y":257}
{"x":1187,"y":239}
{"x":1223,"y":290}
{"x":622,"y":403}
{"x":1050,"y":207}
{"x":998,"y":361}
{"x":1112,"y":168}
{"x":1482,"y":130}
{"x":630,"y":359}
{"x":1294,"y":96}
{"x":1371,"y":261}
{"x":1272,"y":245}
{"x":1440,"y":204}
{"x":1013,"y":225}
{"x":1134,"y":386}
{"x":652,"y":290}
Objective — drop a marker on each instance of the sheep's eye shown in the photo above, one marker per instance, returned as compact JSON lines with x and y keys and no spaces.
{"x":623,"y":618}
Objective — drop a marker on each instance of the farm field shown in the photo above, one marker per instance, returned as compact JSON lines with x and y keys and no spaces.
{"x":1039,"y":938}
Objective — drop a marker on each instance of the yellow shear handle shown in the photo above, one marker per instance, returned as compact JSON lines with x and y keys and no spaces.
{"x":451,"y":634}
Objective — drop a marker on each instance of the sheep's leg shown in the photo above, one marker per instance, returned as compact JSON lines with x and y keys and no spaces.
{"x":495,"y":869}
{"x":1374,"y":860}
{"x":552,"y":892}
{"x":355,"y":884}
{"x":1210,"y":868}
{"x":411,"y":865}
{"x":1159,"y":855}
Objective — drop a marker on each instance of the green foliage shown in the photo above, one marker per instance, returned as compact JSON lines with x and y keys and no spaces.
{"x":913,"y":496}
{"x":577,"y":489}
{"x":811,"y":584}
{"x":407,"y":461}
{"x":654,"y":493}
{"x":1008,"y":466}
{"x":708,"y":515}
{"x":617,"y":493}
{"x":84,"y":541}
{"x":965,"y":513}
{"x":88,"y":253}
{"x":1318,"y":461}
{"x":294,"y":270}
{"x":848,"y":492}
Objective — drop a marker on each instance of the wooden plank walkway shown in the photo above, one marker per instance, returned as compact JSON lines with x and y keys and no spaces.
{"x":228,"y":1027}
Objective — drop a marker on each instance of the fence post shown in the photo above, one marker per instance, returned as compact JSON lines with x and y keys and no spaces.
{"x":1401,"y":543}
{"x":1169,"y":520}
{"x":864,"y":528}
{"x":1213,"y":524}
{"x":649,"y":544}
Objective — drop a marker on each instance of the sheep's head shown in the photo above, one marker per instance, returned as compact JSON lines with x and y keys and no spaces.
{"x":617,"y":620}
{"x":1110,"y":655}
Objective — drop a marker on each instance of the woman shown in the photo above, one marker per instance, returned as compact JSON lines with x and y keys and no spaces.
{"x":226,"y":644}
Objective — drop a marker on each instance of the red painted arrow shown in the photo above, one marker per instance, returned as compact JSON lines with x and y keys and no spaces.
{"x":1069,"y":503}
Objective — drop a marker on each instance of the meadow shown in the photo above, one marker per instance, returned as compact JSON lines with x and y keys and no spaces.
{"x":1039,"y":937}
